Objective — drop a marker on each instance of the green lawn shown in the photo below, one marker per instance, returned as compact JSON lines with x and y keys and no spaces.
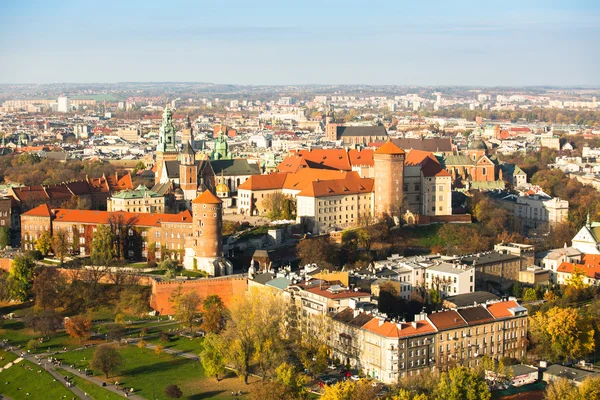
{"x":18,"y":334}
{"x":186,"y":345}
{"x":145,"y":371}
{"x":39,"y":386}
{"x":94,"y":391}
{"x":6,"y":357}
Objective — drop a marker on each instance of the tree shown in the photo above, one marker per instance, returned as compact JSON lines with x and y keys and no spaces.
{"x":79,"y":327}
{"x":279,"y":206}
{"x":212,"y":356}
{"x":560,"y":389}
{"x":106,"y":359}
{"x":577,"y":279}
{"x":292,"y":382}
{"x":173,"y":392}
{"x":461,"y":383}
{"x":21,"y":277}
{"x":47,"y":288}
{"x":170,"y":266}
{"x":60,"y":244}
{"x":361,"y":390}
{"x":530,"y":295}
{"x":116,"y":332}
{"x":213,"y":316}
{"x":255,"y":332}
{"x":517,"y":289}
{"x":123,"y":232}
{"x":103,"y":246}
{"x":47,"y":322}
{"x":158,"y":349}
{"x":562,"y":334}
{"x":186,"y":306}
{"x":4,"y":237}
{"x":320,"y":251}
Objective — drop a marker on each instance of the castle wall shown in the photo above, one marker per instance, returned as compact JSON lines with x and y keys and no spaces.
{"x":227,"y":288}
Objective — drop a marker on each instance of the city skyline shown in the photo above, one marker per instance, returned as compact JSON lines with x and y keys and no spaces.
{"x":380,"y":43}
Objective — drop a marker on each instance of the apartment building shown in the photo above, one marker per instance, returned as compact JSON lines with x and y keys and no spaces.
{"x":450,"y":279}
{"x":388,"y":350}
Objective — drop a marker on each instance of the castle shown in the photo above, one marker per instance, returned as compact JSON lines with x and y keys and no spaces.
{"x":193,"y":239}
{"x":185,"y":173}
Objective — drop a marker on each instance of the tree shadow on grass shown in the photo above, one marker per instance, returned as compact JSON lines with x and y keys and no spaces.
{"x":207,"y":395}
{"x":156,"y":367}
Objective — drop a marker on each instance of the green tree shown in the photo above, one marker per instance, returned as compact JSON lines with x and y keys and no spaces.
{"x":103,"y":246}
{"x":44,"y":243}
{"x":461,"y":383}
{"x":530,"y":295}
{"x":60,"y":244}
{"x":21,"y":278}
{"x":212,"y":356}
{"x":287,"y":376}
{"x":4,"y":237}
{"x":107,"y":359}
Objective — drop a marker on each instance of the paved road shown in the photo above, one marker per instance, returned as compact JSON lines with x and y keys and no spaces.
{"x":96,"y":381}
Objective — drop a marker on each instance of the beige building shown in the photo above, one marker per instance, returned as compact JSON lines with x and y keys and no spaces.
{"x":140,"y":199}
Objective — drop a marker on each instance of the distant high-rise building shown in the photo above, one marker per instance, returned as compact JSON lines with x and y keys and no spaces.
{"x":63,"y":104}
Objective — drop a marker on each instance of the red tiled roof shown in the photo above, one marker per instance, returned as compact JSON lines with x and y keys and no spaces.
{"x":207,"y":198}
{"x":389,"y":148}
{"x":39,"y":211}
{"x":590,"y":266}
{"x":304,"y":177}
{"x":352,"y":184}
{"x":500,"y":309}
{"x":431,"y":167}
{"x":363,"y":157}
{"x":103,"y":217}
{"x":416,"y":157}
{"x":264,"y":182}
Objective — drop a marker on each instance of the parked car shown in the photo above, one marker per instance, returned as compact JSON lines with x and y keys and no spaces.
{"x":355,"y":377}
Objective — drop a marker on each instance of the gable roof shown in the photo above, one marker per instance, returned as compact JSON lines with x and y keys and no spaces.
{"x":349,"y":131}
{"x":446,"y":319}
{"x":304,"y":177}
{"x":238,"y":166}
{"x":351,"y":184}
{"x":103,"y":217}
{"x":39,"y":211}
{"x":590,"y":266}
{"x":476,"y":315}
{"x":501,"y":309}
{"x":264,"y":182}
{"x":435,"y":145}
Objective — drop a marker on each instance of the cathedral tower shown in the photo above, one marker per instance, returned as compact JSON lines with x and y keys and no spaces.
{"x":188,"y":173}
{"x":166,"y":150}
{"x":389,"y":180}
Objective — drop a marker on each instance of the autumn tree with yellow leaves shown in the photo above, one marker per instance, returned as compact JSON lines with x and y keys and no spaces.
{"x":562,"y":334}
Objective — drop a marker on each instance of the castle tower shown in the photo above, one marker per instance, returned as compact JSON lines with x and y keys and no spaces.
{"x":188,"y":172}
{"x":204,"y":249}
{"x":330,"y":125}
{"x":187,"y":133}
{"x":389,"y":180}
{"x":166,"y":149}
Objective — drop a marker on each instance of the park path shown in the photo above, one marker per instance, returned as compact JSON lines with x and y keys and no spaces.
{"x":98,"y":382}
{"x":75,"y":390}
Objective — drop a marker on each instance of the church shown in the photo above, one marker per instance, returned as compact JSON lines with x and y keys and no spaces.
{"x":184,"y":173}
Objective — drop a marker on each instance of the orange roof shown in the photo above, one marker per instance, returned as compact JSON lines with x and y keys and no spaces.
{"x":389,"y":148}
{"x":352,"y":184}
{"x":398,"y":329}
{"x":264,"y":182}
{"x":362,"y":157}
{"x":316,"y":158}
{"x":305,"y":177}
{"x":39,"y":211}
{"x":500,"y":309}
{"x":103,"y":217}
{"x":207,"y":198}
{"x":416,"y":157}
{"x":590,"y":266}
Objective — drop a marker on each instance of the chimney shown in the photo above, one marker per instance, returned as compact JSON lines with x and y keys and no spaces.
{"x":380,"y":321}
{"x":414,"y":324}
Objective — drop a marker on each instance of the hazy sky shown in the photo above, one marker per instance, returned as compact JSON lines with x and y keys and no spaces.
{"x":420,"y":42}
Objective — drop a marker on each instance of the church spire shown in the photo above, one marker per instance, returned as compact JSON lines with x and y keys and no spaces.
{"x":166,"y":136}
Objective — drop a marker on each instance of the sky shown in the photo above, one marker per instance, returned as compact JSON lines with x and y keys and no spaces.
{"x":418,"y":42}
